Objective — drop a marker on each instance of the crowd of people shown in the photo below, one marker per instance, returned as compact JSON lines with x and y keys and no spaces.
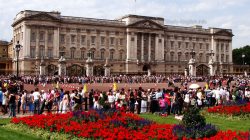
{"x":170,"y":100}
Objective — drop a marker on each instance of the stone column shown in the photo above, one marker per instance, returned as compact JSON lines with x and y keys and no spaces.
{"x":89,"y":66}
{"x":62,"y":66}
{"x":149,"y":47}
{"x":142,"y":48}
{"x":26,"y":42}
{"x":37,"y":43}
{"x":128,"y":45}
{"x":46,"y":44}
{"x":157,"y":36}
{"x":56,"y":43}
{"x":107,"y":68}
{"x":211,"y":67}
{"x":192,"y":67}
{"x":42,"y":67}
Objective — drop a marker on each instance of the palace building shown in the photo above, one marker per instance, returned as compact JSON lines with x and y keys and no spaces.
{"x":132,"y":44}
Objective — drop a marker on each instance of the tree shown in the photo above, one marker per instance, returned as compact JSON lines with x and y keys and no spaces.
{"x":237,"y":55}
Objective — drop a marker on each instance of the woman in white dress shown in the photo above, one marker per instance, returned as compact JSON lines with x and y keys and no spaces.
{"x":144,"y":102}
{"x":65,"y":102}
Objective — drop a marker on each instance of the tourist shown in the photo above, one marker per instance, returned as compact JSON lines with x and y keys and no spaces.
{"x":36,"y":96}
{"x":12,"y":105}
{"x":144,"y":102}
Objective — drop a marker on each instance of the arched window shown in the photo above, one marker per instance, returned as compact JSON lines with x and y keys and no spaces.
{"x":111,"y":54}
{"x":102,"y":56}
{"x":41,"y":51}
{"x":72,"y":52}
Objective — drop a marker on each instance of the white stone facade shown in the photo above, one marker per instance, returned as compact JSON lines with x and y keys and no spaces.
{"x":134,"y":44}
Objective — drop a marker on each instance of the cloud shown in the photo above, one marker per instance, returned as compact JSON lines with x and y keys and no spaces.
{"x":209,"y":13}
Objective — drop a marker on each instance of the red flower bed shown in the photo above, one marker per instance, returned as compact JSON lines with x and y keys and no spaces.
{"x":230,"y":110}
{"x":115,"y":126}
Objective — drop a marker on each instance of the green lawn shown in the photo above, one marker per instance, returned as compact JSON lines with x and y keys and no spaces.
{"x":6,"y":134}
{"x":221,"y":122}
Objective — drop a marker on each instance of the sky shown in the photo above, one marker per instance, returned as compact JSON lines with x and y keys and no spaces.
{"x":230,"y":14}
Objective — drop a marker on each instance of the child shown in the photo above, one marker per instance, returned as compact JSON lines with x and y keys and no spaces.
{"x":162,"y":106}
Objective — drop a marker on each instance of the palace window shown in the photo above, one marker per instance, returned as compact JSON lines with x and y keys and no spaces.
{"x":50,"y":52}
{"x":200,"y":46}
{"x":186,"y":45}
{"x":207,"y":47}
{"x":32,"y":52}
{"x":121,"y":41}
{"x":186,"y":56}
{"x":72,"y":53}
{"x":179,"y":57}
{"x":172,"y":45}
{"x":193,"y":46}
{"x":83,"y":38}
{"x":172,"y":56}
{"x":227,"y":58}
{"x":121,"y":55}
{"x":102,"y":40}
{"x":112,"y":41}
{"x":93,"y":40}
{"x":82,"y":54}
{"x":132,"y":39}
{"x":111,"y":56}
{"x":41,"y":51}
{"x":159,"y":40}
{"x":62,"y":38}
{"x":102,"y":54}
{"x":226,"y":47}
{"x":50,"y":37}
{"x":179,"y":45}
{"x":222,"y":47}
{"x":73,"y":39}
{"x":41,"y":36}
{"x":207,"y":58}
{"x":33,"y":37}
{"x":222,"y":58}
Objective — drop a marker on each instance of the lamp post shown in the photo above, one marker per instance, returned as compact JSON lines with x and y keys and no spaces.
{"x":17,"y":48}
{"x":243,"y":58}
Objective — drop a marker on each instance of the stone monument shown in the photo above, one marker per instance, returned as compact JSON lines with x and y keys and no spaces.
{"x":191,"y":63}
{"x":62,"y":66}
{"x":42,"y":67}
{"x":107,"y":68}
{"x":89,"y":66}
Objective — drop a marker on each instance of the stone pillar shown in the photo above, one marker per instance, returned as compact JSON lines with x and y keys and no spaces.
{"x":42,"y":67}
{"x":62,"y":66}
{"x":56,"y":43}
{"x":211,"y":67}
{"x":107,"y":68}
{"x":89,"y":66}
{"x":157,"y":36}
{"x":142,"y":48}
{"x":192,"y":67}
{"x":37,"y":43}
{"x":128,"y":45}
{"x":149,"y":47}
{"x":46,"y":44}
{"x":26,"y":42}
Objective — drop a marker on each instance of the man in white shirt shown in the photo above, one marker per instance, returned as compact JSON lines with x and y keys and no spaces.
{"x":37,"y":96}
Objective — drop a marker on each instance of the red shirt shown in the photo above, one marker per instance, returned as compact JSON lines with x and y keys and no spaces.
{"x":167,"y":98}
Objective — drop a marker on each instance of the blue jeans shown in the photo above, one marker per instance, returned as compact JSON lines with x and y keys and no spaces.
{"x":24,"y":107}
{"x":12,"y":110}
{"x":164,"y":109}
{"x":37,"y":107}
{"x":31,"y":107}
